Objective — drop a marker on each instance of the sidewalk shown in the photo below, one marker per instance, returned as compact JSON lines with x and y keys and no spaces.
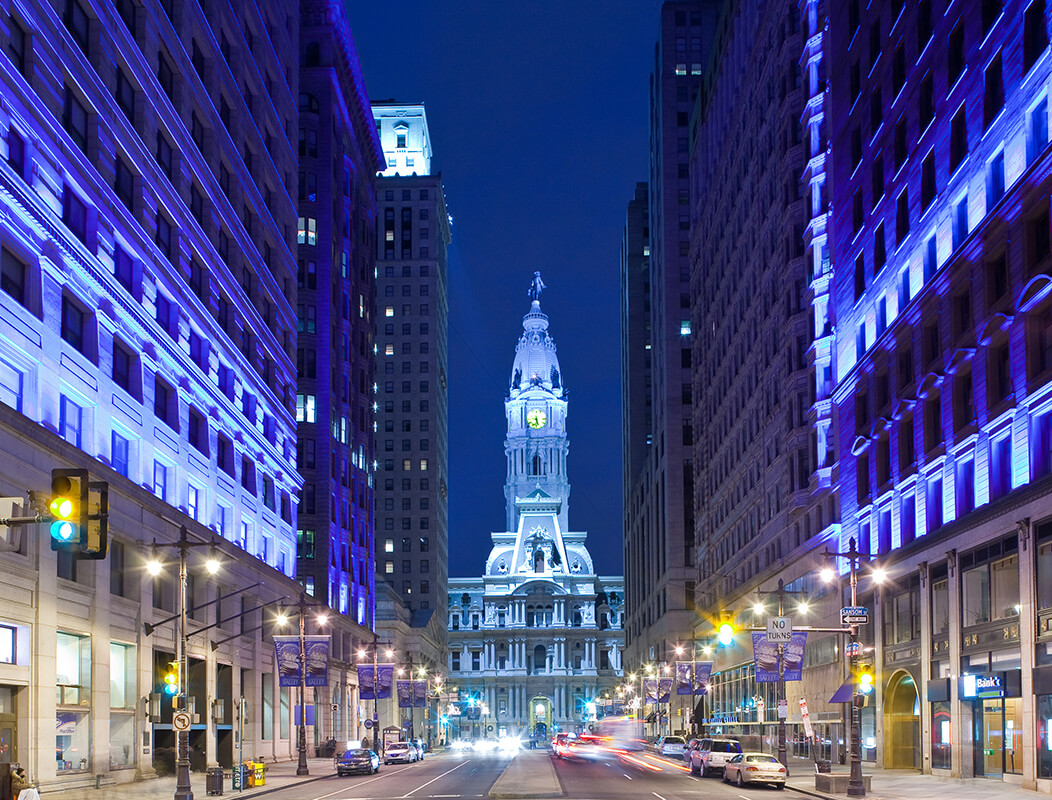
{"x":280,"y":775}
{"x":898,"y":784}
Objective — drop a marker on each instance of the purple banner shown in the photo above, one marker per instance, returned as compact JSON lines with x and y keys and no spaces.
{"x":287,"y":655}
{"x":765,"y":654}
{"x":702,"y":671}
{"x":405,"y":693}
{"x":382,"y":680}
{"x":793,"y":657}
{"x":766,"y":657}
{"x":650,"y":690}
{"x":419,"y":694}
{"x":317,"y":659}
{"x":664,"y":690}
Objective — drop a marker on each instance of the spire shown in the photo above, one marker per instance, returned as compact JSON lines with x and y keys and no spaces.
{"x":536,"y":363}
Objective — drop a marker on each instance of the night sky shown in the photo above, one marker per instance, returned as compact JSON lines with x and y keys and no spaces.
{"x":538,"y":120}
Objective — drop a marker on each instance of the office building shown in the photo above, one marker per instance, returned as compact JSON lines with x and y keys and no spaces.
{"x":339,"y":156}
{"x":659,"y":502}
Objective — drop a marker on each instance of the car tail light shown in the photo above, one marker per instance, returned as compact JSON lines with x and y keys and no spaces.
{"x":751,"y":769}
{"x":781,"y":769}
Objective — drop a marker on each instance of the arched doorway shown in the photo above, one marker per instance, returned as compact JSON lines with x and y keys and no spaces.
{"x":902,"y":746}
{"x":540,"y":717}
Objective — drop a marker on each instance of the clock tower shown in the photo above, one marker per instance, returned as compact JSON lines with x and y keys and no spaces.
{"x":535,"y":407}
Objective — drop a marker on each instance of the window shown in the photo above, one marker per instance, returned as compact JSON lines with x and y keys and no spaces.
{"x":125,"y":369}
{"x":76,"y":21}
{"x":994,"y":96}
{"x":164,"y":236}
{"x":902,"y":216}
{"x":198,"y":431}
{"x":928,"y":180}
{"x":860,"y":276}
{"x":991,"y":10}
{"x":16,"y":151}
{"x":960,"y":221}
{"x":165,"y":403}
{"x":71,"y":418}
{"x":898,"y":70}
{"x":75,"y":120}
{"x":901,"y":148}
{"x":878,"y":179}
{"x":958,"y":139}
{"x":75,"y":323}
{"x":932,"y":422}
{"x":13,"y":274}
{"x":160,"y":479}
{"x":990,"y":583}
{"x":248,"y":474}
{"x":123,"y":183}
{"x":164,"y":155}
{"x":934,"y":502}
{"x":1037,"y":245}
{"x":1000,"y":467}
{"x":75,"y":214}
{"x":124,"y":93}
{"x":119,"y":449}
{"x":995,"y":180}
{"x":1037,"y":130}
{"x":1035,"y":34}
{"x":17,"y":44}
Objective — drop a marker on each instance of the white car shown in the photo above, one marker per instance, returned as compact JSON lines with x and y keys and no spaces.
{"x":399,"y":752}
{"x":754,"y":768}
{"x":671,"y":746}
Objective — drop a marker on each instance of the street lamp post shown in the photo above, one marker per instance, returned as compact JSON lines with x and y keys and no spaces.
{"x":302,"y":605}
{"x":182,"y":751}
{"x":855,"y":787}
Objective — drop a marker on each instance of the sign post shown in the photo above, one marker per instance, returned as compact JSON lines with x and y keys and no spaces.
{"x":780,"y":630}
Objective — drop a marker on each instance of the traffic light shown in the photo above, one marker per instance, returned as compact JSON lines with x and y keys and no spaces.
{"x":69,"y":508}
{"x":171,"y":679}
{"x":96,"y":541}
{"x":725,"y":633}
{"x":865,"y":678}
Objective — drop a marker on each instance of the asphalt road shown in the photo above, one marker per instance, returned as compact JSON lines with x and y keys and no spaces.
{"x":445,"y":776}
{"x":452,"y":776}
{"x":647,"y":777}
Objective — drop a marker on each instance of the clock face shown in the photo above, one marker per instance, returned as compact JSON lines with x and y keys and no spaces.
{"x":536,"y":418}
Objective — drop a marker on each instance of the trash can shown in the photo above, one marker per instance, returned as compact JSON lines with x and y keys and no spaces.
{"x":214,"y":780}
{"x":823,"y":765}
{"x":259,"y":770}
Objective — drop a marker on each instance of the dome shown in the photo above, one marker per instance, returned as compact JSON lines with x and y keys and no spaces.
{"x":536,"y":363}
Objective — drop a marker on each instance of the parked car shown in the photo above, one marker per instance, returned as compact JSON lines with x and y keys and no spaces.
{"x":358,"y":760}
{"x":754,"y":768}
{"x":671,"y":745}
{"x":402,"y":752}
{"x":712,"y":754}
{"x":418,"y":746}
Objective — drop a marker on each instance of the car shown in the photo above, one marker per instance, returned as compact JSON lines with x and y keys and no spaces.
{"x":358,"y":760}
{"x":399,"y":752}
{"x":418,"y":746}
{"x":671,"y":745}
{"x":561,"y":744}
{"x":754,"y":768}
{"x":585,"y":747}
{"x":712,"y":754}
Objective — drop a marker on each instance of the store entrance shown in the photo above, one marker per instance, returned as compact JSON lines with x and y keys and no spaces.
{"x":8,"y":725}
{"x":998,"y":736}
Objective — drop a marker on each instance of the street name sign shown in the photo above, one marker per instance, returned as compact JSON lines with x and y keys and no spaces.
{"x":854,"y":615}
{"x":779,"y":630}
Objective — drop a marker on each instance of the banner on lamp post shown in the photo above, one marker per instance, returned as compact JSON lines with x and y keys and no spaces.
{"x":317,"y":659}
{"x":650,"y":690}
{"x":702,"y":672}
{"x":382,"y":678}
{"x":419,"y":694}
{"x":287,"y":656}
{"x":664,"y":690}
{"x":405,"y":693}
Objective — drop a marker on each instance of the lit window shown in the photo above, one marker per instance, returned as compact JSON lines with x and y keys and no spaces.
{"x":389,"y":567}
{"x":389,"y":311}
{"x":423,"y":465}
{"x":389,"y":545}
{"x":305,"y":408}
{"x":684,"y":327}
{"x":307,"y":231}
{"x":389,"y":350}
{"x":681,"y":69}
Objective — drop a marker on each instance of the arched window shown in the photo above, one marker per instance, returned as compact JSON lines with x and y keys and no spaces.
{"x":540,"y":659}
{"x":537,"y":469}
{"x":538,"y":561}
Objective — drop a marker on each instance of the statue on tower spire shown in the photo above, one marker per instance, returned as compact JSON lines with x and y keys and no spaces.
{"x":536,"y":288}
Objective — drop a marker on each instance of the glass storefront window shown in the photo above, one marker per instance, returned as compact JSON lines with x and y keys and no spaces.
{"x":122,"y":675}
{"x":73,"y":670}
{"x":941,"y":739}
{"x":868,"y":732}
{"x":976,"y":596}
{"x":72,"y":740}
{"x":1044,"y":736}
{"x":1004,"y":588}
{"x":1014,"y":735}
{"x":122,"y":740}
{"x":940,"y":606}
{"x":1044,"y":574}
{"x":283,"y":717}
{"x":267,"y":722}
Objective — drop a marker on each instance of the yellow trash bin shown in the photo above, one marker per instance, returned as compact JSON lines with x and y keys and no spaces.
{"x":250,"y":773}
{"x":260,"y":770}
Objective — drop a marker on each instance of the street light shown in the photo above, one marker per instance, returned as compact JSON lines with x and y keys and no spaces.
{"x":362,"y":655}
{"x":282,"y":619}
{"x":855,"y":787}
{"x":154,"y":567}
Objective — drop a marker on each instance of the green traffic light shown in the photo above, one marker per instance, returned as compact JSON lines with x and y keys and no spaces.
{"x":63,"y":531}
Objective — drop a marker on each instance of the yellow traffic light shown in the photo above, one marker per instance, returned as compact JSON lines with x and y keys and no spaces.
{"x":171,"y":679}
{"x":865,"y":678}
{"x":725,"y":634}
{"x":68,"y":508}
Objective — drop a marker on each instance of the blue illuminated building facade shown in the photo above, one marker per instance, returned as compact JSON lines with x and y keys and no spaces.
{"x":940,"y":172}
{"x":148,"y":333}
{"x":339,"y":157}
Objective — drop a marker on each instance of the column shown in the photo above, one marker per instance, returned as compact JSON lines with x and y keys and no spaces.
{"x":1027,"y":647}
{"x":926,"y":733}
{"x":962,"y":765}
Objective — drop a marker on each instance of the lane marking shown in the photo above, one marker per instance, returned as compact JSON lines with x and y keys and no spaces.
{"x":421,"y":786}
{"x":627,"y":775}
{"x":375,"y":777}
{"x":743,"y":797}
{"x":659,"y":797}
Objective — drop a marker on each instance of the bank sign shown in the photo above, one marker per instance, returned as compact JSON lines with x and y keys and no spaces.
{"x":979,"y":686}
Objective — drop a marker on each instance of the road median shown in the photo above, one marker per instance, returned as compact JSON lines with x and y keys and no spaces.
{"x":530,"y":774}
